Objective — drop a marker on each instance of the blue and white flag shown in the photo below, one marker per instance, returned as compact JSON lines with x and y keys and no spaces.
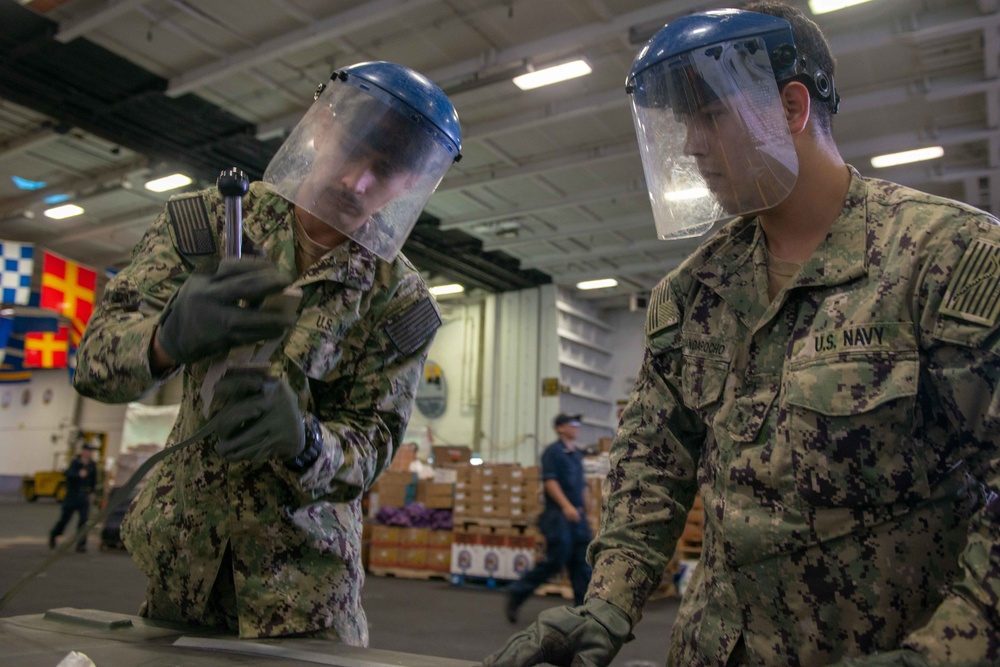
{"x":17,"y":262}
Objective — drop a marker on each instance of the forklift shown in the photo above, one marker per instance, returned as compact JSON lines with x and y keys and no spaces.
{"x":46,"y":483}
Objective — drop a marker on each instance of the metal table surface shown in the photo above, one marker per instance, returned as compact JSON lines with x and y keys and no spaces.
{"x":119,"y":640}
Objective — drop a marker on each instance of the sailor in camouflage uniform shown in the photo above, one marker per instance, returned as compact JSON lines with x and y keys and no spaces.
{"x":823,"y":370}
{"x":256,"y":527}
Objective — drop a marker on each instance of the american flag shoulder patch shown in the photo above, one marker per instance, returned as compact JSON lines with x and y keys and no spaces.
{"x":192,"y":226}
{"x":974,"y":291}
{"x":409,"y":330}
{"x":661,"y":312}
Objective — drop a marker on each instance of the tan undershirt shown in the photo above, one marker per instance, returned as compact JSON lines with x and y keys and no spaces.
{"x":779,"y":272}
{"x":307,"y":251}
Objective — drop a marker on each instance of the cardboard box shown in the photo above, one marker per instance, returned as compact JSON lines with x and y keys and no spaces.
{"x":405,"y":455}
{"x":439,"y":560}
{"x":396,"y":477}
{"x":439,"y":539}
{"x":438,"y":502}
{"x":413,"y":537}
{"x":414,"y":558}
{"x":445,"y":475}
{"x":523,"y":473}
{"x":427,"y":490}
{"x":385,"y":535}
{"x":451,"y":456}
{"x":382,"y":556}
{"x":394,"y":495}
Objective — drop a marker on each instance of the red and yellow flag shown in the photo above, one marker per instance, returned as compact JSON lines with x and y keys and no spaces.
{"x":45,"y":349}
{"x":68,"y":288}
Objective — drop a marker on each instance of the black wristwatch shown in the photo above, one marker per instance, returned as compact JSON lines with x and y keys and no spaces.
{"x":313,"y":448}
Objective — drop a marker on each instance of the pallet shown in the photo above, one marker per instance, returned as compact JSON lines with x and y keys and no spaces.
{"x":407,"y":573}
{"x":520,"y":525}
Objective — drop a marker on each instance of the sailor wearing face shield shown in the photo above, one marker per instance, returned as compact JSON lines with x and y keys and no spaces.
{"x":256,"y":529}
{"x":824,"y":371}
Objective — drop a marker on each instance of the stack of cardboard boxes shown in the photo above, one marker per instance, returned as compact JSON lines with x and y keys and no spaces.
{"x":493,"y":552}
{"x":505,"y":493}
{"x":418,"y":551}
{"x":393,"y":489}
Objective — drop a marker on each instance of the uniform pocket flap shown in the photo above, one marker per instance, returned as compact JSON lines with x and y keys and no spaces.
{"x":852,"y":386}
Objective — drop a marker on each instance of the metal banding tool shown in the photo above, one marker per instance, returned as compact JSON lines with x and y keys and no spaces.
{"x":233,"y":184}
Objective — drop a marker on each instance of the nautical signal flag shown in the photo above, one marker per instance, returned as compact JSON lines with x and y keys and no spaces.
{"x":17,"y":262}
{"x":46,"y":349}
{"x":68,"y":288}
{"x":13,"y":368}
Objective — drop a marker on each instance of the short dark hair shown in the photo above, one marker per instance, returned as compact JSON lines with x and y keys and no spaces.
{"x":809,"y":39}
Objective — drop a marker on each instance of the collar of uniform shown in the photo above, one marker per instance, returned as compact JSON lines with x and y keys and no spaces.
{"x":349,"y":263}
{"x":725,"y":265}
{"x":843,"y":255}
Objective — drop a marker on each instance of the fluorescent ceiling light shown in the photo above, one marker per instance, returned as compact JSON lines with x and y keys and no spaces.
{"x":603,"y":283}
{"x":170,"y":182}
{"x":60,"y":212}
{"x":827,"y":6}
{"x":550,"y":75}
{"x":441,"y":290}
{"x":476,"y":461}
{"x":690,"y":193}
{"x":892,"y":159}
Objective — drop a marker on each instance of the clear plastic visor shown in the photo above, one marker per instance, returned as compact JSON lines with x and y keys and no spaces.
{"x":362,"y":164}
{"x":712,"y":136}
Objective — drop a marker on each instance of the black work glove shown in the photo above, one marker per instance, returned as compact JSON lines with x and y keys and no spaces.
{"x":586,"y":636}
{"x":205,"y":318}
{"x":258,"y":419}
{"x":902,"y":658}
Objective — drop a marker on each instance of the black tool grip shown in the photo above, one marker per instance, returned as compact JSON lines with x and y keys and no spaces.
{"x":233,"y":183}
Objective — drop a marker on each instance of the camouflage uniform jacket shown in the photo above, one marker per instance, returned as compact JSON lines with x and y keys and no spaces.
{"x":845,"y":439}
{"x":295,"y":539}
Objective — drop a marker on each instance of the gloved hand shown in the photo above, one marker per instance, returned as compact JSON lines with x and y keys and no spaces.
{"x":258,"y":419}
{"x":586,"y":636}
{"x":204,"y":318}
{"x":901,"y":658}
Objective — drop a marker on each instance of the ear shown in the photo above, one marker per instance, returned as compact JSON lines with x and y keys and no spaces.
{"x":795,"y":100}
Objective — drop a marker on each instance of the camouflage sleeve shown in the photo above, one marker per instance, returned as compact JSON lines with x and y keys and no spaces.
{"x":960,"y":326}
{"x":112,"y":362}
{"x":362,"y":433}
{"x":652,"y":482}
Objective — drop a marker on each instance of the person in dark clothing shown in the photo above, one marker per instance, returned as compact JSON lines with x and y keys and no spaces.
{"x":81,"y":478}
{"x":563,"y":522}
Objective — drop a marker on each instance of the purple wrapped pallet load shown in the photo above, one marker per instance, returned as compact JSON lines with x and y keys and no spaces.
{"x":414,"y":515}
